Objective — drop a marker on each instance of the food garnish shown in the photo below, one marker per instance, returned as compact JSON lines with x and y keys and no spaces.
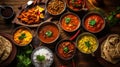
{"x":49,"y":33}
{"x":40,"y":57}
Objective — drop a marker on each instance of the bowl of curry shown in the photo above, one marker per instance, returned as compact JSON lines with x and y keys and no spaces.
{"x":70,"y":22}
{"x":48,"y":32}
{"x":87,"y":43}
{"x":22,"y":36}
{"x":75,"y":5}
{"x":93,"y":22}
{"x":65,"y":49}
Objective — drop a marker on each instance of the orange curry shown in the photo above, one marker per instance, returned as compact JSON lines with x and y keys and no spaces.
{"x":94,"y":23}
{"x":48,"y":33}
{"x":70,"y":22}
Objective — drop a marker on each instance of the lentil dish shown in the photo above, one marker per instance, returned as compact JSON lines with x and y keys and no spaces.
{"x":22,"y":36}
{"x":87,"y":44}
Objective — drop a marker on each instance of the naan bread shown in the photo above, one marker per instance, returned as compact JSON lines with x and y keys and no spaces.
{"x":7,"y":49}
{"x":109,"y":49}
{"x":2,"y":46}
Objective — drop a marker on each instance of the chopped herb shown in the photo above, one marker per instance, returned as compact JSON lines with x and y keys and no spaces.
{"x":40,"y":57}
{"x":92,"y":22}
{"x":87,"y":44}
{"x":73,"y":1}
{"x":66,"y":49}
{"x":49,"y":33}
{"x":22,"y":36}
{"x":67,"y":20}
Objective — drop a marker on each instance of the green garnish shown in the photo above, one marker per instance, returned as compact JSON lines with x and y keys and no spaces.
{"x":73,"y":1}
{"x":66,"y":49}
{"x":40,"y":57}
{"x":87,"y":44}
{"x":92,"y":22}
{"x":22,"y":36}
{"x":67,"y":20}
{"x":49,"y":33}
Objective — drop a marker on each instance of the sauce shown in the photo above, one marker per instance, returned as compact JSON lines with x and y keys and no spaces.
{"x":94,"y":23}
{"x":70,"y":22}
{"x":48,"y":33}
{"x":75,"y":4}
{"x":66,"y":49}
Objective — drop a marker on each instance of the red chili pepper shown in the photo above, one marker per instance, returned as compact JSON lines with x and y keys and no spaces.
{"x":74,"y":36}
{"x":38,"y":13}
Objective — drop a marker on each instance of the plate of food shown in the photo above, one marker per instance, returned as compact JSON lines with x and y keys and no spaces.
{"x":7,"y":50}
{"x":31,"y":15}
{"x":108,"y":54}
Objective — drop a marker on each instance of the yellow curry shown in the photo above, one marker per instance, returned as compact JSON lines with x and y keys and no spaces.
{"x":22,"y":37}
{"x":87,"y":44}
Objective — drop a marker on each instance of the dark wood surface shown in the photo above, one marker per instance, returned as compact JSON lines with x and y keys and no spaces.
{"x":80,"y":59}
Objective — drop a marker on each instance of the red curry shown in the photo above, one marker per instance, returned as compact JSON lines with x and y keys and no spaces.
{"x":66,"y":49}
{"x":94,"y":23}
{"x":75,"y":4}
{"x":70,"y":22}
{"x":48,"y":33}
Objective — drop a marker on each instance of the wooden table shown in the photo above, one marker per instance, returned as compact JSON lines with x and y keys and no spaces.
{"x":81,"y":60}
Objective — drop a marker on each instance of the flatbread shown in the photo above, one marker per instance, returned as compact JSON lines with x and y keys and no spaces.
{"x":8,"y":48}
{"x":2,"y":46}
{"x":109,"y":51}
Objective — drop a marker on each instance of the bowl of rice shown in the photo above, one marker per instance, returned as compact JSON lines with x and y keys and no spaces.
{"x":42,"y":57}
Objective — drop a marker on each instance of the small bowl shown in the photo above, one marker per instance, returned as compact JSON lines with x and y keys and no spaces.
{"x":42,"y":50}
{"x":91,"y":26}
{"x":68,"y":25}
{"x":84,"y":38}
{"x":48,"y":32}
{"x":70,"y":46}
{"x":55,"y":6}
{"x":22,"y":34}
{"x":74,"y":7}
{"x":7,"y":12}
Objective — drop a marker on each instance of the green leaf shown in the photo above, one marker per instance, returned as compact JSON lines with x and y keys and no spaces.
{"x":87,"y":44}
{"x":67,"y":20}
{"x":49,"y":33}
{"x":40,"y":57}
{"x":92,"y":22}
{"x":23,"y":35}
{"x":66,"y":49}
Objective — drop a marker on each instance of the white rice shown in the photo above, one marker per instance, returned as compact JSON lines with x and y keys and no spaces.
{"x":48,"y":57}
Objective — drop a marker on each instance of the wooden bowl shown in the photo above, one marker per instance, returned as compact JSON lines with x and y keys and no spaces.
{"x":48,"y":32}
{"x":74,"y":22}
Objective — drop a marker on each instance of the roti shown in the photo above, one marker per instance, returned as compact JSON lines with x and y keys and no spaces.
{"x":7,"y":48}
{"x":2,"y":47}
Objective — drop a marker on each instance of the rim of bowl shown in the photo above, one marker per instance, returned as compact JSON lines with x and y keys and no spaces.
{"x":93,"y":13}
{"x":11,"y":14}
{"x":44,"y":24}
{"x":41,"y":47}
{"x":60,"y":12}
{"x":56,"y":50}
{"x":83,"y":34}
{"x":73,"y":9}
{"x":74,"y":15}
{"x":20,"y":27}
